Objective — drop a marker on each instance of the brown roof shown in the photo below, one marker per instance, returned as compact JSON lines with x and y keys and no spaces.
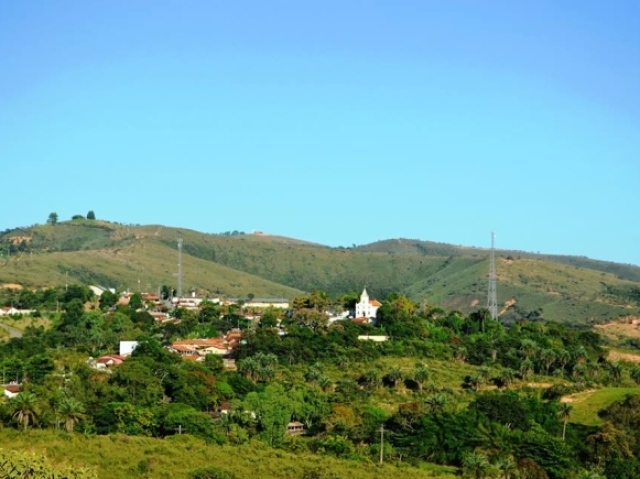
{"x":360,"y":320}
{"x":13,"y":388}
{"x":374,"y":302}
{"x":215,"y":342}
{"x":116,"y":358}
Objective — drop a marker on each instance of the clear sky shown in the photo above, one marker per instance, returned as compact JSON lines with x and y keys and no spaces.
{"x":341,"y":122}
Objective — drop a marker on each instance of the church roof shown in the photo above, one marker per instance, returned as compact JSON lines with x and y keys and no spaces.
{"x":375,"y":303}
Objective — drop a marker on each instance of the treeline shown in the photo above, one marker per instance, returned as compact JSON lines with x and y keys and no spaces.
{"x":347,"y":393}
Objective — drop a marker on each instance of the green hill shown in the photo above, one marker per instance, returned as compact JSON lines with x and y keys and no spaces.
{"x":123,"y":256}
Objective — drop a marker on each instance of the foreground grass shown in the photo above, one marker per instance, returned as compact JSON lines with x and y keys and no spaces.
{"x":586,"y":404}
{"x":177,"y":456}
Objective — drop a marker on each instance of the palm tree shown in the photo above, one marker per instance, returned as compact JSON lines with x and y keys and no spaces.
{"x":475,"y":465}
{"x":525,"y":368}
{"x":635,"y":374}
{"x":563,"y":357}
{"x":265,"y":373}
{"x":507,"y":467}
{"x":580,"y":355}
{"x":24,"y":407}
{"x":437,"y":402}
{"x":325,"y":383}
{"x":312,"y":375}
{"x":461,"y":354}
{"x":394,"y":376}
{"x":565,"y":414}
{"x":72,"y":411}
{"x":483,"y":373}
{"x":547,"y":356}
{"x":248,"y":367}
{"x":528,"y":348}
{"x":420,"y":375}
{"x":616,"y":371}
{"x":371,"y":378}
{"x":506,"y":376}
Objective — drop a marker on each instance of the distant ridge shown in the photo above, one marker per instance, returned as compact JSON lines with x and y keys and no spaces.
{"x":564,"y":288}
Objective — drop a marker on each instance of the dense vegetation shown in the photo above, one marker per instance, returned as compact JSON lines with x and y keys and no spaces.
{"x":446,"y":388}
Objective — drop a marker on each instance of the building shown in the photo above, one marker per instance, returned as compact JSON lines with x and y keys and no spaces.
{"x":367,"y":308}
{"x":127,"y":347}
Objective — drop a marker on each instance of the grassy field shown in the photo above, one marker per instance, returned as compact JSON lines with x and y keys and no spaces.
{"x":176,"y":457}
{"x":586,"y":404}
{"x":145,"y":257}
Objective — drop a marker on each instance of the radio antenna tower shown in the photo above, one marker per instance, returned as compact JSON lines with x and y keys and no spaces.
{"x":179,"y":268}
{"x":492,"y":299}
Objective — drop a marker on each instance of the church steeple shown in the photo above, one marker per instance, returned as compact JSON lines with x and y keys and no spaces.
{"x":364,"y":297}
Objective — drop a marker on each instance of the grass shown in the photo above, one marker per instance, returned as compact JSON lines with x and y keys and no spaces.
{"x":450,"y":276}
{"x":177,"y":456}
{"x":587,"y":404}
{"x":24,"y":322}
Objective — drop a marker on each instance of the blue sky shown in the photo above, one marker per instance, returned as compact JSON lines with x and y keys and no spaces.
{"x":340,"y":122}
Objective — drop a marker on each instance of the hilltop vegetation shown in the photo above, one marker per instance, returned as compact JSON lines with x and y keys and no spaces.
{"x":561,"y":288}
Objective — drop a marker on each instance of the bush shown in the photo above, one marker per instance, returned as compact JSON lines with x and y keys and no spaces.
{"x":211,"y":473}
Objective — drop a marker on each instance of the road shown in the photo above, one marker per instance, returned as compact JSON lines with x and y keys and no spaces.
{"x":13,"y":332}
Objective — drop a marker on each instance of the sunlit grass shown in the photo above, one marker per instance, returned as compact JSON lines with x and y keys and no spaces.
{"x":587,"y":404}
{"x":176,"y":456}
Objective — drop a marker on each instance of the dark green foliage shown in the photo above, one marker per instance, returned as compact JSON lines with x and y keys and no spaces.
{"x":505,"y":408}
{"x":211,"y":473}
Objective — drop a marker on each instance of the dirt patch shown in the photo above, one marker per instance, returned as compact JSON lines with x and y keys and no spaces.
{"x":620,"y":356}
{"x":621,"y":328}
{"x":507,"y":304}
{"x":539,"y":385}
{"x":12,"y":286}
{"x":577,"y":397}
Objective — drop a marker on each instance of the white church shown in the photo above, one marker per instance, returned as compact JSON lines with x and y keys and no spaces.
{"x":366,"y":308}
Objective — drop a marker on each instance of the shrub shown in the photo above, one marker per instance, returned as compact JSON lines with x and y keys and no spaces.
{"x":211,"y":473}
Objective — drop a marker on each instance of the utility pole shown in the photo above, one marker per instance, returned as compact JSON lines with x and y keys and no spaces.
{"x":381,"y":444}
{"x":179,"y":429}
{"x":179,"y":268}
{"x":492,"y":297}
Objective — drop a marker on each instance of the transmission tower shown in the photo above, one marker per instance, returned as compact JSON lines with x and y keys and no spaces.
{"x":492,"y":298}
{"x":179,"y":268}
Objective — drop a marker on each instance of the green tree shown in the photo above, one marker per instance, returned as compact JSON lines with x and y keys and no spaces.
{"x":53,"y":218}
{"x":24,"y":407}
{"x":71,"y":412}
{"x":107,"y":300}
{"x":91,"y":215}
{"x":394,"y":376}
{"x":615,"y":369}
{"x":272,"y":408}
{"x":420,"y":375}
{"x":135,"y":301}
{"x":475,"y":465}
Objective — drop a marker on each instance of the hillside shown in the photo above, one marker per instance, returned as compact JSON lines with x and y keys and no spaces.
{"x":556,"y":287}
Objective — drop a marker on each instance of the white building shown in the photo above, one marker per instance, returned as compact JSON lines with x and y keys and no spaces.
{"x":367,"y":308}
{"x":127,"y":347}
